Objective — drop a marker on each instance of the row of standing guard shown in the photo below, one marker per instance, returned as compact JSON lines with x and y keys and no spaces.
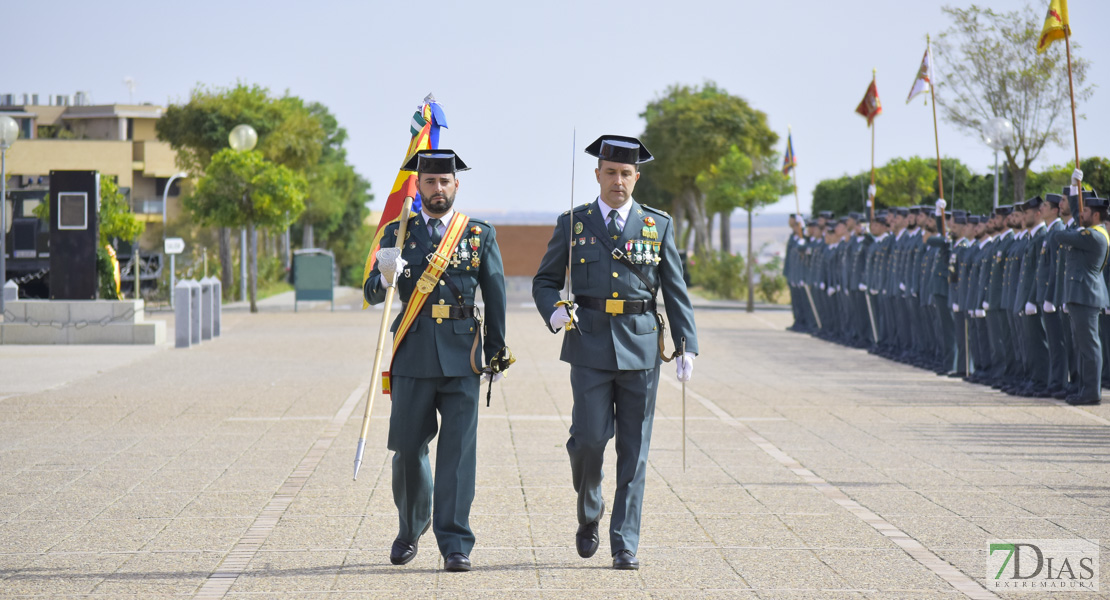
{"x":1016,"y":299}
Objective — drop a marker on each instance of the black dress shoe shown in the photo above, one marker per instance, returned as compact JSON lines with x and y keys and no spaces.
{"x":1077,"y":401}
{"x":586,"y":540}
{"x":456,"y":562}
{"x":625,"y":561}
{"x":402,"y":551}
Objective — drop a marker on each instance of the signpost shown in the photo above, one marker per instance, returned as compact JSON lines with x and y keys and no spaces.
{"x":173,"y":247}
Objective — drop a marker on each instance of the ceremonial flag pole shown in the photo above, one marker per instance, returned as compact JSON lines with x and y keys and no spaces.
{"x":924,"y":82}
{"x":1056,"y":26}
{"x":789,"y":165}
{"x":870,"y":107}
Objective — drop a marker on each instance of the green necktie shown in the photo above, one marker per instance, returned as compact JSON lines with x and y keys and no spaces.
{"x":436,"y":236}
{"x":614,"y":229}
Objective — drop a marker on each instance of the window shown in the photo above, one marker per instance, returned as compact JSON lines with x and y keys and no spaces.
{"x":73,"y":210}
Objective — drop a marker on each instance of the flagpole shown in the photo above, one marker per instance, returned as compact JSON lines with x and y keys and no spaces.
{"x":871,"y":198}
{"x":936,"y":136}
{"x":1071,"y":92}
{"x":793,"y":170}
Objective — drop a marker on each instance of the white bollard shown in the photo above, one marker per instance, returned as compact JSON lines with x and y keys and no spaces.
{"x":217,"y":305}
{"x":205,"y":309}
{"x":194,"y":311}
{"x":181,"y":316}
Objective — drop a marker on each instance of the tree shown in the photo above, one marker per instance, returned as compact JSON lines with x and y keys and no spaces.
{"x":989,"y":67}
{"x":689,"y":130}
{"x":243,"y":189}
{"x":734,"y":182}
{"x":289,"y":133}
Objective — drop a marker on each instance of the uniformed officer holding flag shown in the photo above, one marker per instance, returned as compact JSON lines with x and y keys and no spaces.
{"x":446,"y":257}
{"x":624,"y":254}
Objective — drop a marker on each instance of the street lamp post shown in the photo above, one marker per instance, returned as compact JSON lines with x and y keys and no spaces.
{"x":9,"y":132}
{"x":997,"y":133}
{"x":165,"y":193}
{"x":243,"y":139}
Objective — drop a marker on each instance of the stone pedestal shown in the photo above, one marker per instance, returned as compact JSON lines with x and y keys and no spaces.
{"x":79,"y":322}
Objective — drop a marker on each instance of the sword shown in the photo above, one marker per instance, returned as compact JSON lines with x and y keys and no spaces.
{"x":682,"y":349}
{"x":871,"y":313}
{"x":812,"y":305}
{"x":569,"y":303}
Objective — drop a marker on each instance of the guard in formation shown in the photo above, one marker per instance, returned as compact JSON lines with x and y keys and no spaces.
{"x":1016,"y":299}
{"x":622,"y":254}
{"x":437,"y":348}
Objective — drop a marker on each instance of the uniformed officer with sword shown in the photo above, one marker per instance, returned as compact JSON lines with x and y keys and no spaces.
{"x":624,"y":255}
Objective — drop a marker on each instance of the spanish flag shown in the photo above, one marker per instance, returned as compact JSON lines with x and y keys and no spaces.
{"x":424,"y":129}
{"x":1056,"y":25}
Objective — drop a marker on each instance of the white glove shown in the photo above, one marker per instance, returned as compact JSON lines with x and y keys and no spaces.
{"x":1030,"y":308}
{"x":496,"y":377}
{"x":986,"y":305}
{"x":1106,"y":311}
{"x":1048,"y":307}
{"x":821,"y":285}
{"x":955,"y":308}
{"x":871,"y":190}
{"x":940,"y":207}
{"x":560,"y":318}
{"x":390,"y":263}
{"x":902,"y":286}
{"x":1076,"y":177}
{"x":862,"y":287}
{"x":831,"y":290}
{"x":684,"y":366}
{"x":981,"y":313}
{"x":1064,"y":308}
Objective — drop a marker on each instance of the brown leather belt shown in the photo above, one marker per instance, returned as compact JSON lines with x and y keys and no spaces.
{"x":616,"y":307}
{"x":447,"y":311}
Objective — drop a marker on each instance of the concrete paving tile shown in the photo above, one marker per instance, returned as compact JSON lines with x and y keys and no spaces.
{"x":70,"y":505}
{"x":690,"y":568}
{"x":179,"y":480}
{"x":898,"y":502}
{"x":819,"y":594}
{"x":35,"y":536}
{"x":835,"y":531}
{"x":941,"y":532}
{"x":290,"y":572}
{"x":112,"y":535}
{"x":751,"y":531}
{"x":778,"y":569}
{"x":791,"y":498}
{"x":970,"y":503}
{"x":311,"y":532}
{"x":11,"y":505}
{"x":52,"y":480}
{"x":377,"y":532}
{"x":200,"y":534}
{"x":496,"y":571}
{"x":330,"y":503}
{"x":148,"y":505}
{"x":160,"y":574}
{"x":501,"y":530}
{"x":891,"y":570}
{"x":54,"y":575}
{"x":701,"y":594}
{"x":370,"y":573}
{"x":226,"y":504}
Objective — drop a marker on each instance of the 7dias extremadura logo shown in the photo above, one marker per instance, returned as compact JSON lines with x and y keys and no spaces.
{"x":1043,"y":565}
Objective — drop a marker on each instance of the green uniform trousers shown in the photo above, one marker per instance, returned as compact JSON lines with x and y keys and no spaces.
{"x":412,"y":426}
{"x":1088,"y":350}
{"x":608,"y":403}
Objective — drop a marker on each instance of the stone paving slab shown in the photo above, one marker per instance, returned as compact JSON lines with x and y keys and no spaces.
{"x":812,"y":471}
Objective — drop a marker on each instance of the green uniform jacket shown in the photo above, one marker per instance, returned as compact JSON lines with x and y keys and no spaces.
{"x":1085,"y":285}
{"x":618,"y":342}
{"x":1046,"y":265}
{"x":432,"y":349}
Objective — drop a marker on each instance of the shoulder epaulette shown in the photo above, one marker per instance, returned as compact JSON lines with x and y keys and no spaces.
{"x":656,"y":210}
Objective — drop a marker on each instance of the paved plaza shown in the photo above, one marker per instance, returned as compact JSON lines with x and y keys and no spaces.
{"x":813,"y":471}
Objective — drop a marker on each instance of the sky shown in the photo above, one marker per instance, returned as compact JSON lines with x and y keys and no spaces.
{"x":527,"y":85}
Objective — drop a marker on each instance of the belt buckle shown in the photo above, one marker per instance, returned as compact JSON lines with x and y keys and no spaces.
{"x":441,"y":311}
{"x":614,"y":307}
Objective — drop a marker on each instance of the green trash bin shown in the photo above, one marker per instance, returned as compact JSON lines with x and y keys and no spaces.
{"x":313,"y":276}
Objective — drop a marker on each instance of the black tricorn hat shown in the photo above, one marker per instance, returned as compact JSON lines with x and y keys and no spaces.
{"x":1034,"y":203}
{"x":1053,"y":199}
{"x":913,"y":210}
{"x":901,"y":211}
{"x":825,"y":214}
{"x":973,"y":219}
{"x":960,"y":219}
{"x":1004,"y":210}
{"x":435,"y":161}
{"x":620,"y":149}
